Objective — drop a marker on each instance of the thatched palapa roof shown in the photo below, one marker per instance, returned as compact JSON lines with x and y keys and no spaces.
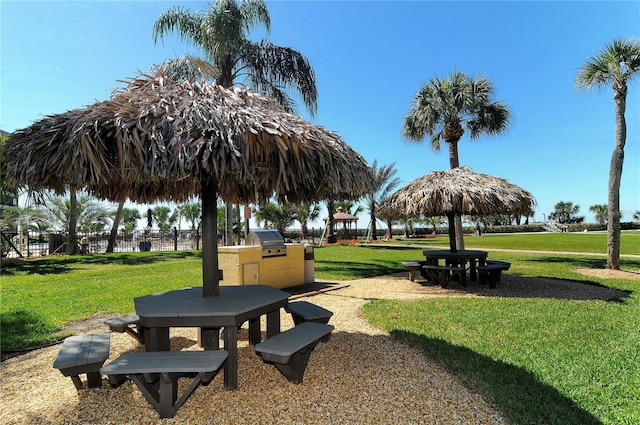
{"x":455,"y":192}
{"x":158,"y":139}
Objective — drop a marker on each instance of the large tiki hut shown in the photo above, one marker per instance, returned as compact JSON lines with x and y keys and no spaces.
{"x":157,"y":139}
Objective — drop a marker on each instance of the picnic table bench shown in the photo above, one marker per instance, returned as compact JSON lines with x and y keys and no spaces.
{"x":289,"y":351}
{"x":156,"y":374}
{"x":83,"y":354}
{"x":304,"y":311}
{"x":413,"y":267}
{"x":444,"y":274}
{"x":492,"y":271}
{"x":125,"y":323}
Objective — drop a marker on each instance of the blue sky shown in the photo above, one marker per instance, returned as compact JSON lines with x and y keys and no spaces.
{"x":370,"y":59}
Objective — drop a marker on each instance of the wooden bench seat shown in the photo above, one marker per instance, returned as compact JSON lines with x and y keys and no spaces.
{"x":156,"y":374}
{"x":125,"y":323}
{"x":304,"y":311}
{"x":492,"y":272}
{"x":84,"y":354}
{"x":289,"y":351}
{"x":413,"y":267}
{"x":444,"y":274}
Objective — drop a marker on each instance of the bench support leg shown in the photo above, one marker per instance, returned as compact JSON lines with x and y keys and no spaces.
{"x":138,"y":334}
{"x":77,"y":382}
{"x":294,"y":370}
{"x":163,"y":394}
{"x":94,"y":380}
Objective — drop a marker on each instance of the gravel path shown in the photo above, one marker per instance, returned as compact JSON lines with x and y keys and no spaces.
{"x":361,"y":375}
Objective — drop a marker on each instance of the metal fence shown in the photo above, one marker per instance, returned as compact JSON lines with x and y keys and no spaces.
{"x":35,"y":244}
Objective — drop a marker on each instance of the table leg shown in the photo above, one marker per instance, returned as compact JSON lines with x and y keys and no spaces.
{"x":210,"y":338}
{"x":273,"y":323}
{"x":231,"y":364}
{"x":254,"y":331}
{"x":157,"y":339}
{"x":472,"y":269}
{"x":463,"y":275}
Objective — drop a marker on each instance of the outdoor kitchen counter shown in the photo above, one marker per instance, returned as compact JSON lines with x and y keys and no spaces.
{"x":233,"y":306}
{"x":248,"y":265}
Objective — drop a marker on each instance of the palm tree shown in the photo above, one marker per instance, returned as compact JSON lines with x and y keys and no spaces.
{"x":600,"y":211}
{"x":435,"y":222}
{"x":193,"y":214}
{"x":164,"y":218}
{"x":566,"y":212}
{"x":615,"y":65}
{"x":274,"y":215}
{"x":304,"y":213}
{"x":384,"y":184}
{"x":222,"y":32}
{"x":444,"y":107}
{"x":130,"y":217}
{"x":70,"y":214}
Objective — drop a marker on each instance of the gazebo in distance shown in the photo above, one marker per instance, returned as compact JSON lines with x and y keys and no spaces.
{"x":348,"y":221}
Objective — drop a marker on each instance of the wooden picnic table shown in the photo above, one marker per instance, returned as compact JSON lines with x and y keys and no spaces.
{"x":233,"y":306}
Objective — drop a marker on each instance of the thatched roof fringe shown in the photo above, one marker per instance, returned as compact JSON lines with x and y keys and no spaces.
{"x":155,"y":130}
{"x":458,"y":191}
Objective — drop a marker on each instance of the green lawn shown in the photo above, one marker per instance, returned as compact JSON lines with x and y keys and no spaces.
{"x":570,"y":242}
{"x":550,"y":361}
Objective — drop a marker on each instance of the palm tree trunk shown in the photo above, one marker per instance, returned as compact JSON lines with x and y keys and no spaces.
{"x":72,"y":235}
{"x":228,"y":230}
{"x":114,"y":228}
{"x":454,"y":162}
{"x":615,"y":174}
{"x":374,"y":228}
{"x":330,"y":216}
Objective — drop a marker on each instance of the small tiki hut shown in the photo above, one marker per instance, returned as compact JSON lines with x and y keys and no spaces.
{"x":454,"y":192}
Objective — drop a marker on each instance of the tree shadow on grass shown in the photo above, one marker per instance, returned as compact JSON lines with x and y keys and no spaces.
{"x":60,"y":265}
{"x":516,"y":392}
{"x":356,"y":270}
{"x":20,"y":331}
{"x":586,"y":262}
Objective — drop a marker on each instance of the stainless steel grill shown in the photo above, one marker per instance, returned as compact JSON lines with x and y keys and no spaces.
{"x":271,"y":242}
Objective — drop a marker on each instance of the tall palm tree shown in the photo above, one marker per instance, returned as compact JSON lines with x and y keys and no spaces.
{"x":444,"y":108}
{"x":384,"y":183}
{"x":223,"y":33}
{"x":616,"y":65}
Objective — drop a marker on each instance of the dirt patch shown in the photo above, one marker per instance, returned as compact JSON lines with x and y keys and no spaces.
{"x":90,"y":324}
{"x":610,"y":274}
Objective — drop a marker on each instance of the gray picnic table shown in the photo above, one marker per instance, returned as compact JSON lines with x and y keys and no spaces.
{"x":457,"y":258}
{"x":233,"y":306}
